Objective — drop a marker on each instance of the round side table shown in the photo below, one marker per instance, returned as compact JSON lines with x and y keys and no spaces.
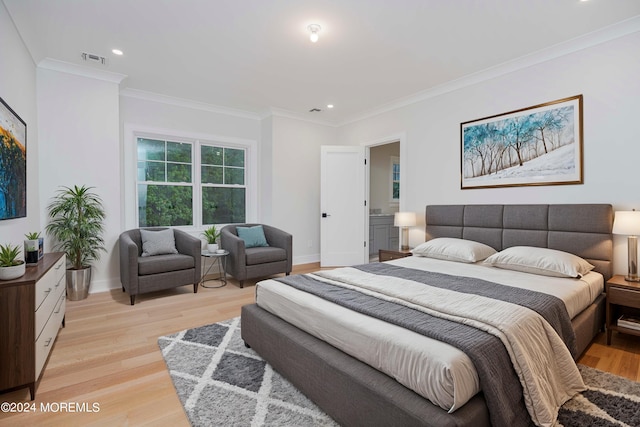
{"x":219,"y":258}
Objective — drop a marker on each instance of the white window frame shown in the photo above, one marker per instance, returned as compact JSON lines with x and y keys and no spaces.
{"x":130,"y":178}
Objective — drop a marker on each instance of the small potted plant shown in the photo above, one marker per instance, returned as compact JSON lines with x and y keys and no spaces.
{"x":31,"y":247}
{"x":10,"y":266}
{"x":211,"y":234}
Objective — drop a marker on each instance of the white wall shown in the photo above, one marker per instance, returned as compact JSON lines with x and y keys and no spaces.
{"x":79,"y":130}
{"x":607,"y":76}
{"x":18,"y":90}
{"x":295,"y":203}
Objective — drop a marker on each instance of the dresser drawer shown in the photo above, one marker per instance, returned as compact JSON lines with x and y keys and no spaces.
{"x":45,"y":285}
{"x":48,"y":305}
{"x":626,"y":297}
{"x":49,"y":332}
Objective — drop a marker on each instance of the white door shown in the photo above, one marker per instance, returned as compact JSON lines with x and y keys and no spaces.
{"x":343,"y":208}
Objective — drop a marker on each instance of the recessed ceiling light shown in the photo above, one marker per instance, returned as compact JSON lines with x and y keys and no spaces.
{"x":329,"y":105}
{"x":117,"y":52}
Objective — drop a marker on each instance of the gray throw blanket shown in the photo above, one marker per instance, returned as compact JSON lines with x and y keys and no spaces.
{"x":499,"y":382}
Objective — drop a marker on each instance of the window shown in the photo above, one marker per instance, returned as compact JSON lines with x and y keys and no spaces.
{"x":223,"y":184}
{"x":395,"y":179}
{"x":187,"y":183}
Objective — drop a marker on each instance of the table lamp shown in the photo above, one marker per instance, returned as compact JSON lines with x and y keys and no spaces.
{"x":628,"y":223}
{"x":404,"y":220}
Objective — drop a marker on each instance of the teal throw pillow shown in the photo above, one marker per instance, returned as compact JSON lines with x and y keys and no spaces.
{"x":253,"y":236}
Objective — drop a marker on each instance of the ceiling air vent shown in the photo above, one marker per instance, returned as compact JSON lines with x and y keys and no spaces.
{"x":97,"y":59}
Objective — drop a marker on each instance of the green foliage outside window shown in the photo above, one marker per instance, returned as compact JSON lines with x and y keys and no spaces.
{"x":165,"y":205}
{"x":223,"y":205}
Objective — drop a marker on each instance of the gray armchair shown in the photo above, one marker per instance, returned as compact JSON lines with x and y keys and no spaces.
{"x":249,"y":263}
{"x":139,"y":274}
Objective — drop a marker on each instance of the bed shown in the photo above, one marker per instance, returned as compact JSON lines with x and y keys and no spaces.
{"x":353,"y":392}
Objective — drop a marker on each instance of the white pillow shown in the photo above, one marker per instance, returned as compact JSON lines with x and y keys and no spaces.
{"x":543,"y":261}
{"x":451,"y":249}
{"x":158,"y":242}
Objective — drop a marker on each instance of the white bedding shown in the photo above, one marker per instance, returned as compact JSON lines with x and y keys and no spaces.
{"x":449,"y":378}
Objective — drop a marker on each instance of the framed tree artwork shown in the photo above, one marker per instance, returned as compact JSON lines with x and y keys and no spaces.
{"x":538,"y":145}
{"x":13,"y":164}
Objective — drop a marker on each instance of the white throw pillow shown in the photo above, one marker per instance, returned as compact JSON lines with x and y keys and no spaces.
{"x":543,"y":261}
{"x":158,"y":242}
{"x":452,"y":249}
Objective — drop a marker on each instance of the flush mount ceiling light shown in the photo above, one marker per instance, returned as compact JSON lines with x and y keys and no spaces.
{"x":116,"y":52}
{"x":314,"y":29}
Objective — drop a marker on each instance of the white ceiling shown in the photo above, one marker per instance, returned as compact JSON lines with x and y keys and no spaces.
{"x":255,"y":55}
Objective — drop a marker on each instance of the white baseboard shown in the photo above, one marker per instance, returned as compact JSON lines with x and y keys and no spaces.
{"x":306,"y":259}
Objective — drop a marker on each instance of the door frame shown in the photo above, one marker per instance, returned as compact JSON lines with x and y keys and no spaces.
{"x":397,"y":137}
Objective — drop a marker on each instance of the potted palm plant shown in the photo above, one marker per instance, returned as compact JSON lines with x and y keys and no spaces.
{"x":10,"y":266}
{"x":211,"y":234}
{"x":76,"y":225}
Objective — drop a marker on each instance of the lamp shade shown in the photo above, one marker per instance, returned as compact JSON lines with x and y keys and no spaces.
{"x":627,"y":222}
{"x":404,"y":219}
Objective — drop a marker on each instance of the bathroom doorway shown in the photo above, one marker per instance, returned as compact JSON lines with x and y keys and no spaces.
{"x":384,"y":197}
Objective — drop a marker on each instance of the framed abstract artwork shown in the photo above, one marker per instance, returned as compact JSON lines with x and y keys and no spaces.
{"x":538,"y":145}
{"x":13,"y":164}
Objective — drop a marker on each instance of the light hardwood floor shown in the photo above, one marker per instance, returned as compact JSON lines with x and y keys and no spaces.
{"x":108,"y":354}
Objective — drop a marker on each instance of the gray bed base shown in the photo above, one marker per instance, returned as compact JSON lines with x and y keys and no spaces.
{"x":355,"y":394}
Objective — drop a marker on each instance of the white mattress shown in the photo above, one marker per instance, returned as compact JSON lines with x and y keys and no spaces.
{"x":437,"y":371}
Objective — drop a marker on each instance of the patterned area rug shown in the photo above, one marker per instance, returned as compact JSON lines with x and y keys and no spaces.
{"x":221,"y":382}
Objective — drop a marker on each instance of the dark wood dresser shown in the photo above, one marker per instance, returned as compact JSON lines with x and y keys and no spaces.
{"x":32,"y":309}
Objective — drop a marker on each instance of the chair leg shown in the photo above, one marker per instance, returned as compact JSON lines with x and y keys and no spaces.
{"x":241,"y":283}
{"x":195,"y":288}
{"x":133,"y":299}
{"x":123,"y":289}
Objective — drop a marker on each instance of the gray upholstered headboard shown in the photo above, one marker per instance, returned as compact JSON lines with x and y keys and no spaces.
{"x":581,"y":229}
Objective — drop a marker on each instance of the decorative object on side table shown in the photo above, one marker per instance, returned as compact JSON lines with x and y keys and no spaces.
{"x":32,"y":248}
{"x":211,"y":234}
{"x":10,"y":266}
{"x":628,"y":223}
{"x":76,"y":225}
{"x":623,"y":305}
{"x":404,"y":220}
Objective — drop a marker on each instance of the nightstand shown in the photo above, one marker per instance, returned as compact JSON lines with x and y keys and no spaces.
{"x":388,"y":254}
{"x":622,"y":298}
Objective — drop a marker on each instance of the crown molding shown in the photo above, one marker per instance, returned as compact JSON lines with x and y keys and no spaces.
{"x":612,"y":32}
{"x":187,"y":103}
{"x":81,"y":70}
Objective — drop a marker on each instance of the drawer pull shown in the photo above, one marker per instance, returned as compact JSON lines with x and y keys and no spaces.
{"x":47,"y":291}
{"x":58,"y":266}
{"x":48,"y":342}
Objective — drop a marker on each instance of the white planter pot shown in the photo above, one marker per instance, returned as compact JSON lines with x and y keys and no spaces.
{"x":212,"y":247}
{"x":13,"y":272}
